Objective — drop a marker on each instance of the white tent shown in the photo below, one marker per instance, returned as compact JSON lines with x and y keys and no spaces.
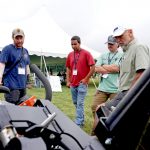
{"x":42,"y":35}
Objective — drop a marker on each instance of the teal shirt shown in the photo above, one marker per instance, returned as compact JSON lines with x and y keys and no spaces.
{"x":109,"y":84}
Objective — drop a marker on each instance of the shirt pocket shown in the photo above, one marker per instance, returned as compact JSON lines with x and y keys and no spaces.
{"x":125,"y":66}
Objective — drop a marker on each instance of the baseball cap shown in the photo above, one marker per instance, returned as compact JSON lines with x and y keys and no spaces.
{"x":17,"y":32}
{"x":118,"y":31}
{"x":111,"y":40}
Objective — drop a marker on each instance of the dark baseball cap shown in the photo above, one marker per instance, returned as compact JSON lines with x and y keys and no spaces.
{"x":111,"y":40}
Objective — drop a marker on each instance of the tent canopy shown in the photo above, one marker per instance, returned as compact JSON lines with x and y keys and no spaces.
{"x":43,"y":37}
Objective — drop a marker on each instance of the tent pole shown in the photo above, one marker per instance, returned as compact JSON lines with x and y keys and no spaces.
{"x":41,"y":63}
{"x":45,"y":67}
{"x":94,"y":82}
{"x":41,"y":67}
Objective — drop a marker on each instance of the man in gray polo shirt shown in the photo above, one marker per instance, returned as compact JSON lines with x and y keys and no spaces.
{"x":135,"y":60}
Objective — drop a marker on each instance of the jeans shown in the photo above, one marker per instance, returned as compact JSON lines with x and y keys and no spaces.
{"x":15,"y":95}
{"x":78,"y":96}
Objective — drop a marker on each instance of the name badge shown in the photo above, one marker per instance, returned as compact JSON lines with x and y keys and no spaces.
{"x":75,"y":72}
{"x":105,"y":75}
{"x":21,"y":71}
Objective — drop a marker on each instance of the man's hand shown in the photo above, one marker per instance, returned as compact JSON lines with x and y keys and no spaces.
{"x":29,"y":86}
{"x":84,"y":81}
{"x":68,"y":84}
{"x":103,"y":104}
{"x":1,"y":82}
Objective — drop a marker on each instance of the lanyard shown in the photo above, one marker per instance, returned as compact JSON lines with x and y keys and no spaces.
{"x":76,"y":59}
{"x":110,"y":59}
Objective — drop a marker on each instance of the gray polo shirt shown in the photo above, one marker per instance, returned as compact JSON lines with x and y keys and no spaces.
{"x":136,"y":57}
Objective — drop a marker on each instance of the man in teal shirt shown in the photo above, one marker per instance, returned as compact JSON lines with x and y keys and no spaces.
{"x":107,"y":66}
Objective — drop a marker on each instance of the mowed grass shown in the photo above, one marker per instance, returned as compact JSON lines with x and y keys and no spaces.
{"x":63,"y":101}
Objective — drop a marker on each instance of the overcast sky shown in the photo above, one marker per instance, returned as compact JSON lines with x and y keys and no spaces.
{"x":92,"y":20}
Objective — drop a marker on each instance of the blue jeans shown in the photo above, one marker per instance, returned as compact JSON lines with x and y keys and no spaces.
{"x":78,"y":96}
{"x":15,"y":96}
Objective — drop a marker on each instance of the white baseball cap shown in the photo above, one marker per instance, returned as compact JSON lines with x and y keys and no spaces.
{"x":118,"y":31}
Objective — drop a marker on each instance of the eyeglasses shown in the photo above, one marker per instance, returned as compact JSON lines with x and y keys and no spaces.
{"x":74,"y":44}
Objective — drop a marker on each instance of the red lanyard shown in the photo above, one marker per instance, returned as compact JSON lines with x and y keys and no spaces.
{"x":76,"y":59}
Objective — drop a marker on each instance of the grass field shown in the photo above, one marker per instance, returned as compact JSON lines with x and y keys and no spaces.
{"x":64,"y":102}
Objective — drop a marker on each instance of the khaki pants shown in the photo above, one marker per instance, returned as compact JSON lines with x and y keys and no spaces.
{"x":101,"y":97}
